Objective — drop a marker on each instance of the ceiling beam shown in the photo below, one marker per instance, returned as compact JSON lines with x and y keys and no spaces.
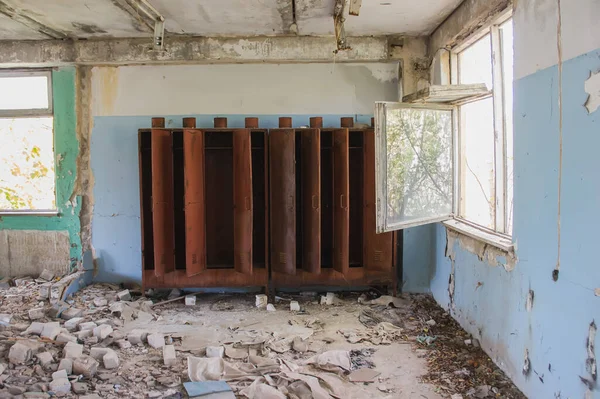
{"x":182,"y":50}
{"x":19,"y":16}
{"x":140,"y":20}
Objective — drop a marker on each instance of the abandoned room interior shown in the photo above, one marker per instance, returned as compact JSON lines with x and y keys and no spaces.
{"x":299,"y":198}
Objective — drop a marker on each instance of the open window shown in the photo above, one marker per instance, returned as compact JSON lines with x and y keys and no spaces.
{"x":414,"y":164}
{"x":445,"y":152}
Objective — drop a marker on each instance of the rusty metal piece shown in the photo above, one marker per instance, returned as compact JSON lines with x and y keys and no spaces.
{"x":347,"y":122}
{"x":316,"y":122}
{"x":195,"y":218}
{"x":158,"y":122}
{"x":341,"y":193}
{"x":220,"y":123}
{"x":285,"y":122}
{"x":242,"y":201}
{"x":251,"y":123}
{"x":283,"y":200}
{"x":311,"y":199}
{"x":189,"y":122}
{"x":163,"y":202}
{"x":377,"y":248}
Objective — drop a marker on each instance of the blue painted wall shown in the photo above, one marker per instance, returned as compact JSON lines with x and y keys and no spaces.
{"x":116,"y":217}
{"x":490,"y":302}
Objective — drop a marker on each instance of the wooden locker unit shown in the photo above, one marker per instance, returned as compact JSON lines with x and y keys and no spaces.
{"x":217,"y":186}
{"x":352,"y":254}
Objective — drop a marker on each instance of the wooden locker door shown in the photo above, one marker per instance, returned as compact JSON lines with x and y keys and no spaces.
{"x":242,"y":201}
{"x":341,"y":192}
{"x":163,"y":202}
{"x":311,"y":199}
{"x":283,"y":200}
{"x":377,"y":248}
{"x":195,"y":220}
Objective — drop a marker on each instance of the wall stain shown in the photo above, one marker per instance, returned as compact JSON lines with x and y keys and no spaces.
{"x":560,"y":134}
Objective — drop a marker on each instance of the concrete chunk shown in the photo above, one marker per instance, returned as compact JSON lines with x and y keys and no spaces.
{"x":111,"y":360}
{"x":71,"y":324}
{"x":19,"y":353}
{"x":328,"y":299}
{"x":45,"y":358}
{"x":51,"y":330}
{"x":270,"y":307}
{"x":99,"y":302}
{"x":102,"y":331}
{"x":137,"y":336}
{"x":190,"y":300}
{"x":169,"y":355}
{"x":99,"y":352}
{"x":90,"y":325}
{"x":156,"y":340}
{"x":36,"y":313}
{"x":123,"y":344}
{"x":82,"y":335}
{"x":44,"y":291}
{"x":72,"y":350}
{"x":34,"y":328}
{"x":60,"y":374}
{"x":294,"y":306}
{"x":124,"y":295}
{"x":86,"y":366}
{"x":61,"y":386}
{"x":5,"y":283}
{"x":80,"y":388}
{"x":65,"y":337}
{"x":46,"y":275}
{"x":66,"y":365}
{"x":261,"y":301}
{"x":71,"y":313}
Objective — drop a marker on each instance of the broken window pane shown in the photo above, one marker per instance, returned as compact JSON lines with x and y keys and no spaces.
{"x":419,"y":164}
{"x":24,"y":92}
{"x":27,"y":156}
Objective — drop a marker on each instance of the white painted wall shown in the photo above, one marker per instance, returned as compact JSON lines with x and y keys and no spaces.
{"x":243,"y":89}
{"x":536,"y":26}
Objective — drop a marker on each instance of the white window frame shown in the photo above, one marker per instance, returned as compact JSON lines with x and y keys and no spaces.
{"x":497,"y":236}
{"x":15,"y":113}
{"x":31,"y":113}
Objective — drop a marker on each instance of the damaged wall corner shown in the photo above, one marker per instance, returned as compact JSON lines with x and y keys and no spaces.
{"x":592,"y":88}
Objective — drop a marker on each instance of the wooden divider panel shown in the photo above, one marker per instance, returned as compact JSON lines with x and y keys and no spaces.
{"x":311,"y":200}
{"x":341,"y":193}
{"x":242,"y":201}
{"x":162,"y":202}
{"x":283,"y":200}
{"x":377,"y":248}
{"x":195,"y":218}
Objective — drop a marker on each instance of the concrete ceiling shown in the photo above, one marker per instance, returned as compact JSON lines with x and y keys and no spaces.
{"x":36,"y":19}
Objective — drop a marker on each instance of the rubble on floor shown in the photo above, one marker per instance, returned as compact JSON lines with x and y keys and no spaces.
{"x":106,"y":342}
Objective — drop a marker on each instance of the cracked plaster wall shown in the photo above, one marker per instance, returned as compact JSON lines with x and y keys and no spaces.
{"x":537,"y":320}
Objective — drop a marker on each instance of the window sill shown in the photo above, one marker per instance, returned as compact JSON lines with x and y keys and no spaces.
{"x":500,"y":241}
{"x":29,"y":213}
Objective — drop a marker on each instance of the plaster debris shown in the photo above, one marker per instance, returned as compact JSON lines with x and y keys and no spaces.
{"x":124,"y":295}
{"x":36,"y":313}
{"x":270,"y":307}
{"x":307,"y":354}
{"x":328,"y":299}
{"x":190,"y":300}
{"x":294,"y":306}
{"x":592,"y":88}
{"x":262,"y":301}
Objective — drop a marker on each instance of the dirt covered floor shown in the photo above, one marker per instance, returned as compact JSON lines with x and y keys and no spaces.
{"x":109,"y":343}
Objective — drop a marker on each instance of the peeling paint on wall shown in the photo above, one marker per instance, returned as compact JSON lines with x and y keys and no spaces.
{"x":530,"y":297}
{"x":590,"y":363}
{"x":492,"y":255}
{"x":592,"y":88}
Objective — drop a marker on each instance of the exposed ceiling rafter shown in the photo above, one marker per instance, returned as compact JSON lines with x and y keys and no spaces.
{"x":140,"y":20}
{"x":146,"y":15}
{"x":19,"y":16}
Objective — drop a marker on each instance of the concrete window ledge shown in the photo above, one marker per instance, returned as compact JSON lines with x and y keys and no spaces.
{"x":29,"y":213}
{"x":500,"y":241}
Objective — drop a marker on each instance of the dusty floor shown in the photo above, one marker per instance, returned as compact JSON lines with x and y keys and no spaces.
{"x":413,"y":347}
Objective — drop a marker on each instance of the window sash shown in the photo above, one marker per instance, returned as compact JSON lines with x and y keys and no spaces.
{"x":501,"y":202}
{"x":27,"y":112}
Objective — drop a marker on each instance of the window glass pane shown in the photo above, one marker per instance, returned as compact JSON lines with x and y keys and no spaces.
{"x":506,"y":31}
{"x":26,"y":156}
{"x":475,"y":63}
{"x":477,"y":172}
{"x":419,"y":164}
{"x":23,"y":92}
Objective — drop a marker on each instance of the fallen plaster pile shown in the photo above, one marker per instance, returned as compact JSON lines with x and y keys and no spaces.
{"x":112,"y":343}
